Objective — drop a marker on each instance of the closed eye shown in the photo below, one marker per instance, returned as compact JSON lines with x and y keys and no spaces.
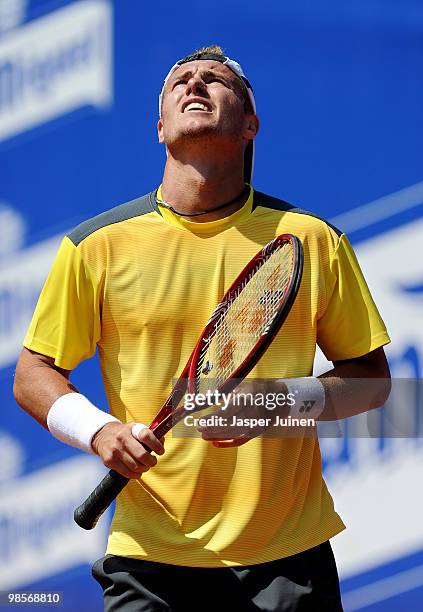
{"x":206,"y":80}
{"x":207,"y":77}
{"x":212,"y":78}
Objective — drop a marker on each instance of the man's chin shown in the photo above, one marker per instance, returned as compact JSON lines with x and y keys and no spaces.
{"x":195,"y":128}
{"x":197,"y":132}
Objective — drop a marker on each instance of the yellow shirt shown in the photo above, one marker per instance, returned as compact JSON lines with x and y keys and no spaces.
{"x":140,"y":283}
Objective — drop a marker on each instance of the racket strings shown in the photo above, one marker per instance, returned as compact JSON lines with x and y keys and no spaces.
{"x":254,"y":307}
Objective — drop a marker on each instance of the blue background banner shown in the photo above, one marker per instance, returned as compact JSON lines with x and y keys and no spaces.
{"x":339,"y":94}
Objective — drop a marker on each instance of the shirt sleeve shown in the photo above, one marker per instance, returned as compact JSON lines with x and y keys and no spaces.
{"x":66,"y":324}
{"x":350,"y":325}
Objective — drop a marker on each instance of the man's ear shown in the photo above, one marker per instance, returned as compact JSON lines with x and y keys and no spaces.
{"x":160,"y":131}
{"x":251,"y":128}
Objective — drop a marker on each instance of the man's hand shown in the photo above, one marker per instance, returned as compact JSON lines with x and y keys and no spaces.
{"x":352,"y":387}
{"x":247,"y":416}
{"x":120,"y":451}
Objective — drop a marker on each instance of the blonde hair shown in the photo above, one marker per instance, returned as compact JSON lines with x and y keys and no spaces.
{"x":215,"y":49}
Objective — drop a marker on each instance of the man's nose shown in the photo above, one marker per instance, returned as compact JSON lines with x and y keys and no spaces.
{"x":196,"y":85}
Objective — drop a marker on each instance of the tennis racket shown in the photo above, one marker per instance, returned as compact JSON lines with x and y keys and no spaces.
{"x":239,"y":331}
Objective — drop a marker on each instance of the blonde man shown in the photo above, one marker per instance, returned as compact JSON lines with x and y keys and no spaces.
{"x":206,"y":525}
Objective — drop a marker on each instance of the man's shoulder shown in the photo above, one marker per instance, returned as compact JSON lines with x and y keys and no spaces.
{"x":270,"y":202}
{"x":134,"y":208}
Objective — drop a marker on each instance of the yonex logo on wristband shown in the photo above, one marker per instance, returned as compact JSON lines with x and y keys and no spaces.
{"x":307,"y":405}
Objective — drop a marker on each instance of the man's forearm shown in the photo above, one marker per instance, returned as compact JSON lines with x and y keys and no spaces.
{"x":355,"y":386}
{"x":42,"y":390}
{"x":38,"y":384}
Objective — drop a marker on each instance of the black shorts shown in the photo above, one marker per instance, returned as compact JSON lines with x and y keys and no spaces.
{"x":304,"y":582}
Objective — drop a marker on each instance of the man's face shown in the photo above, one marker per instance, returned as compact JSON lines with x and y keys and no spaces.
{"x":202,"y":99}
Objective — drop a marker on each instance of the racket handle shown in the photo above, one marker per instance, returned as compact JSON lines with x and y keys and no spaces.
{"x":88,"y":513}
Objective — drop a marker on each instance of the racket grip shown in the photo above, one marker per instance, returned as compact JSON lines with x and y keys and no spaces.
{"x":88,"y":513}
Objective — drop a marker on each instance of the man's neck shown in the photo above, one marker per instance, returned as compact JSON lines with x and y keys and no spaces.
{"x":204,"y":186}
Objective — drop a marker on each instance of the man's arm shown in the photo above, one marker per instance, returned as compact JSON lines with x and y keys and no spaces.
{"x":39,"y":383}
{"x":352,"y":387}
{"x":356,"y":385}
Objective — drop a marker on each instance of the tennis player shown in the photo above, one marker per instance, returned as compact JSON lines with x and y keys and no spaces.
{"x":228,"y":525}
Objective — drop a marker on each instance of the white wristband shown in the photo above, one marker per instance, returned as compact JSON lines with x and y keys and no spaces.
{"x":309,"y":396}
{"x":73,"y":419}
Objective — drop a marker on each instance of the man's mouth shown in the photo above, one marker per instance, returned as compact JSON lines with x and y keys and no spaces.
{"x":196,"y":106}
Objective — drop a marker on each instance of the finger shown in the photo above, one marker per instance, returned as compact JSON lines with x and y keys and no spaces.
{"x":137,"y":460}
{"x":234,"y":442}
{"x":223,"y":433}
{"x":220,"y":426}
{"x":138,"y":453}
{"x":218,"y":434}
{"x":140,"y":462}
{"x":122,"y":468}
{"x":147,"y":437}
{"x":136,"y":429}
